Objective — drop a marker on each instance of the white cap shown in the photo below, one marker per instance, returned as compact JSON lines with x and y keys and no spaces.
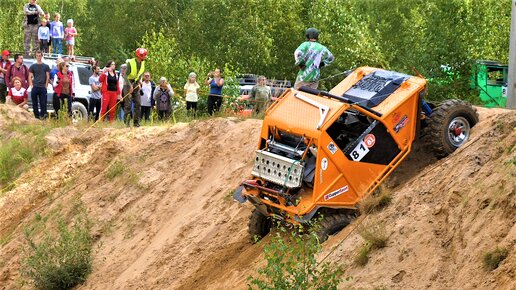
{"x":192,"y":75}
{"x":162,"y":79}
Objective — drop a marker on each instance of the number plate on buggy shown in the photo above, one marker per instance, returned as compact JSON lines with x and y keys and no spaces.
{"x":359,"y":152}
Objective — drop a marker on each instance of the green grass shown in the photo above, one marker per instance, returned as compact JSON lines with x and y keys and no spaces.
{"x":115,"y":169}
{"x":19,"y":152}
{"x":492,"y":259}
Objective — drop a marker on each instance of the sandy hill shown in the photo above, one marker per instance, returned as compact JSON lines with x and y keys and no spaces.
{"x":167,"y":221}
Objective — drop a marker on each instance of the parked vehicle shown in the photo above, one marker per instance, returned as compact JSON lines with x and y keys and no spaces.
{"x":490,"y":77}
{"x":81,"y":72}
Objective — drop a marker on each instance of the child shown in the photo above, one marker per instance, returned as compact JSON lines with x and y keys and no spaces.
{"x":192,"y":93}
{"x":57,"y":29}
{"x":18,"y":94}
{"x":43,"y":36}
{"x":162,"y":97}
{"x":70,"y":33}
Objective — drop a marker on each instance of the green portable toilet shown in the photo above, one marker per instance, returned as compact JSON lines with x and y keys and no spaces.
{"x":490,"y":77}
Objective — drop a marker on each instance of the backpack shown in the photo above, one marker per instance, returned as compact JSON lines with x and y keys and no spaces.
{"x":23,"y":68}
{"x":163,"y":100}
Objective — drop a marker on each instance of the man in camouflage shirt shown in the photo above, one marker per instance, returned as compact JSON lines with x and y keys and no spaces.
{"x":310,"y":57}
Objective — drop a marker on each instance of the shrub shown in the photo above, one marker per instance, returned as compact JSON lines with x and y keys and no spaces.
{"x":62,"y":258}
{"x":291,"y":264}
{"x":492,"y":259}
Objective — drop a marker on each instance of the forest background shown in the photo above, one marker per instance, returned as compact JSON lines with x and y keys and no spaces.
{"x":260,"y":36}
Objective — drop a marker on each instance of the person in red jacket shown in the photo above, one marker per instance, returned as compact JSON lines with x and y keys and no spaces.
{"x":63,"y":87}
{"x":110,"y":90}
{"x":5,"y":65}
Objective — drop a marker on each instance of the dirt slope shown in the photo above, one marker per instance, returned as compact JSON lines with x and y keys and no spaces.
{"x":168,"y":221}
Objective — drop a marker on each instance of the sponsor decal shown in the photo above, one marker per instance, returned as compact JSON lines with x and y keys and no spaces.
{"x":402,"y":123}
{"x":336,"y":193}
{"x":332,"y":148}
{"x":324,"y":163}
{"x":396,"y":117}
{"x":369,"y":140}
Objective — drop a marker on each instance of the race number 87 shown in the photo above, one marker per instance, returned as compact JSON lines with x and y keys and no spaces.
{"x":359,"y":152}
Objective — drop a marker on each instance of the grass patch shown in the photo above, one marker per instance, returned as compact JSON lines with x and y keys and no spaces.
{"x":362,"y":255}
{"x":19,"y":152}
{"x":381,"y":198}
{"x":115,"y":169}
{"x":492,"y":259}
{"x":374,"y":233}
{"x":61,"y":258}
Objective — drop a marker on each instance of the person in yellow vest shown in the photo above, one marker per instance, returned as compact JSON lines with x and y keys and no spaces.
{"x":132,"y":85}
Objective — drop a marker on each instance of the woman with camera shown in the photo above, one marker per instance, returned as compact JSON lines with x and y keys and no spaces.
{"x":216,"y":82}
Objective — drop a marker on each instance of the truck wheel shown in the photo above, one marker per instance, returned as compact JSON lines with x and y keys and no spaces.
{"x":331,"y":224}
{"x":259,"y":225}
{"x":79,"y":112}
{"x":450,"y":126}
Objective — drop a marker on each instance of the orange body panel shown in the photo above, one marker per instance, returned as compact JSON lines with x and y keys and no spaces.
{"x":338,"y":182}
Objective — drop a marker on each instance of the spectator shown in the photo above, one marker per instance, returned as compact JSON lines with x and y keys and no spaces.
{"x":63,"y":86}
{"x":39,"y":76}
{"x":95,"y":96}
{"x":132,"y":85}
{"x":5,"y":65}
{"x":191,"y":93}
{"x":53,"y":73}
{"x":146,"y":93}
{"x":31,"y":25}
{"x":18,"y":94}
{"x":69,"y":33}
{"x":44,"y":36}
{"x":216,"y":82}
{"x":163,"y":98}
{"x":47,"y":18}
{"x":123,"y":67}
{"x":57,"y":32}
{"x":310,"y":57}
{"x":110,"y":90}
{"x":18,"y":69}
{"x":260,"y":96}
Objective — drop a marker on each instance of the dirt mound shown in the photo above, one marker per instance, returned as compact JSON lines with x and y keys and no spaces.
{"x":13,"y":114}
{"x":164,"y":217}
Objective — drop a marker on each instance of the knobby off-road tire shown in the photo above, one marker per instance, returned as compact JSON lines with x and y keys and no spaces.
{"x":332,"y":223}
{"x":450,"y":126}
{"x":259,"y":225}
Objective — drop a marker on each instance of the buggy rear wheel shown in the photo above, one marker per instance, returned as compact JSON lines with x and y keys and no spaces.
{"x":332,"y":223}
{"x":450,"y":126}
{"x":259,"y":225}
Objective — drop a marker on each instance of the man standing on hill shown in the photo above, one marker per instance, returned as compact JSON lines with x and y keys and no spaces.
{"x":132,"y":85}
{"x":31,"y":25}
{"x":39,"y":76}
{"x":310,"y":57}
